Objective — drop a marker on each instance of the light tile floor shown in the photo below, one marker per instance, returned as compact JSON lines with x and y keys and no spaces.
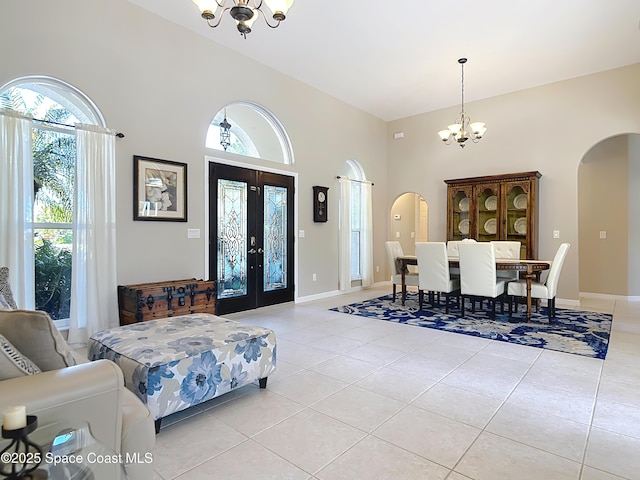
{"x":356,"y":398}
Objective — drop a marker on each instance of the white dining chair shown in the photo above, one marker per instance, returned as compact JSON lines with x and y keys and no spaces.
{"x":508,"y":250}
{"x":478,"y":275}
{"x":452,"y":251}
{"x":546,"y":290}
{"x":394,"y":250}
{"x":433,"y":273}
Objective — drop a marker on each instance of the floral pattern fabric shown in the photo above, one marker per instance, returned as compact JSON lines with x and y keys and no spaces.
{"x":175,"y":363}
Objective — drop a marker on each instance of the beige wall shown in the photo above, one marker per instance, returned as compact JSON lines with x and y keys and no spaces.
{"x":161,"y":85}
{"x":548,"y":128}
{"x":602,"y":207}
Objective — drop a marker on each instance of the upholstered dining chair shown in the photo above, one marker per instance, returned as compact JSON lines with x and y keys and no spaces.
{"x":478,"y":275}
{"x":394,"y":250}
{"x":546,"y":290}
{"x":452,"y":251}
{"x":508,"y":250}
{"x":433,"y":273}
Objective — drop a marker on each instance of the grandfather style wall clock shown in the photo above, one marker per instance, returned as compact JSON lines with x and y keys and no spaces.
{"x":320,"y":204}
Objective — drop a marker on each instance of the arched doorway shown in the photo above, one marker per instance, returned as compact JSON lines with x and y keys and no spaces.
{"x":409,"y":221}
{"x":609,"y":217}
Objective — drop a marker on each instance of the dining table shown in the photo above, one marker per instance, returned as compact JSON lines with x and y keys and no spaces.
{"x":530,"y":269}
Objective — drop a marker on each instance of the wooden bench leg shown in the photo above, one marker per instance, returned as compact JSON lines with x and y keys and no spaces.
{"x":158,"y":423}
{"x":263,"y":382}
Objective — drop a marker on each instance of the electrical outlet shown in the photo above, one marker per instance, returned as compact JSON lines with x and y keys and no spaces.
{"x":193,"y":233}
{"x":556,"y":234}
{"x":397,"y":234}
{"x":603,"y":234}
{"x":377,"y":268}
{"x":313,"y":277}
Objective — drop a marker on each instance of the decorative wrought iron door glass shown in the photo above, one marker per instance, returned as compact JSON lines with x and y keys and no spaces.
{"x":275,"y":238}
{"x":232,"y":238}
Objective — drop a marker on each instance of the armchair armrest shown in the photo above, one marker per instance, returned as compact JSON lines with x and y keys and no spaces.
{"x":90,"y":392}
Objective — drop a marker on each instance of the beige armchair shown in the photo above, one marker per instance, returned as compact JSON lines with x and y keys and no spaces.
{"x":59,"y":391}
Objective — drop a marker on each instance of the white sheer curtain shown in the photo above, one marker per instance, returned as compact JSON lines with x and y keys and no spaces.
{"x":16,"y":205}
{"x":344,"y":233}
{"x":366,"y":236}
{"x":93,"y":277}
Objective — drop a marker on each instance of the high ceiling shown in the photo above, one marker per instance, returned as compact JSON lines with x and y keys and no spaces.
{"x":395,"y":59}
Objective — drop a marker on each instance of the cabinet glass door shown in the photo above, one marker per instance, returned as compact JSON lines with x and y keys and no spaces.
{"x":517,"y":208}
{"x":460,"y":215}
{"x":487,"y":204}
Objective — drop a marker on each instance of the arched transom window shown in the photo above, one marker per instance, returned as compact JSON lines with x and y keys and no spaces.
{"x":254,"y":132}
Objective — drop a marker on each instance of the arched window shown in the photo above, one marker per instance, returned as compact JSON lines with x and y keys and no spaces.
{"x":56,"y":108}
{"x":356,"y":264}
{"x":254,"y":132}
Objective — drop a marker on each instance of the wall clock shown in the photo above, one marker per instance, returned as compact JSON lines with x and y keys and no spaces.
{"x":320,"y":204}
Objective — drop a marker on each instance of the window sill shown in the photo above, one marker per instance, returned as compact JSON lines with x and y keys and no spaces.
{"x":62,"y":325}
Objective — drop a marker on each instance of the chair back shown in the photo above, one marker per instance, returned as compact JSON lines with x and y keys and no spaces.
{"x":394,"y":250}
{"x":433,"y":266}
{"x":452,"y":248}
{"x":556,"y":267}
{"x":477,"y":269}
{"x":509,"y":250}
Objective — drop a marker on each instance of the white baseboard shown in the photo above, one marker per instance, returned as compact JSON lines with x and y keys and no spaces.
{"x":606,"y":296}
{"x":319,"y":296}
{"x":566,"y":301}
{"x":335,"y":293}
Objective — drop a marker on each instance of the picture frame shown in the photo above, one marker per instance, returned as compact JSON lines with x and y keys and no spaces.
{"x":159,"y":190}
{"x":320,"y":204}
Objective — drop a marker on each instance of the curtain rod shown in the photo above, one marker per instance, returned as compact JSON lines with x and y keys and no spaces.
{"x":117,"y":134}
{"x":359,"y":181}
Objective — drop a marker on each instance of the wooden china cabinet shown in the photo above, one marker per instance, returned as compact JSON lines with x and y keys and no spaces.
{"x":496,"y":207}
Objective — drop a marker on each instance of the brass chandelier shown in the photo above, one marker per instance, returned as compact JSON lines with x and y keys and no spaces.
{"x":462,"y":130}
{"x":244,"y":12}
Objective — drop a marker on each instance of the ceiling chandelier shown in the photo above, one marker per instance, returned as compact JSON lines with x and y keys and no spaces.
{"x":462,"y":130}
{"x":244,"y":12}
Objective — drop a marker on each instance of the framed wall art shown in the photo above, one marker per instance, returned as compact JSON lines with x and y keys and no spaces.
{"x":159,"y":190}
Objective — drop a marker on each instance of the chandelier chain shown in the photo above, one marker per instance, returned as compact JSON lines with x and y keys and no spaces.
{"x":462,"y":88}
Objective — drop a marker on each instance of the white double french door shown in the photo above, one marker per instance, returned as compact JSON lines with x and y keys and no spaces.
{"x":251,"y":248}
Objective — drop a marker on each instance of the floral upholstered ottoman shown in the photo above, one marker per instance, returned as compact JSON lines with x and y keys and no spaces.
{"x":178,"y":362}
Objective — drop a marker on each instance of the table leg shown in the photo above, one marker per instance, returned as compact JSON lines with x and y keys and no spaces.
{"x":403,"y":295}
{"x":529,"y":277}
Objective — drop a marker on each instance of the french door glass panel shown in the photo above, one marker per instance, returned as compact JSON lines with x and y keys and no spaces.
{"x":251,"y":238}
{"x":275,"y":238}
{"x":232,"y":238}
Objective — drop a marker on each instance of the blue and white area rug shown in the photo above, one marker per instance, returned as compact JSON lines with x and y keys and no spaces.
{"x":572,"y":331}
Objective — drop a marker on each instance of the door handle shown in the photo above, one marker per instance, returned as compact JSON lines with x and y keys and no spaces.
{"x":252,"y":251}
{"x":260,"y":250}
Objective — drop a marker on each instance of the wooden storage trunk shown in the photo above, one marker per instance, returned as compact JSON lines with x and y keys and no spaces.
{"x":149,"y":301}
